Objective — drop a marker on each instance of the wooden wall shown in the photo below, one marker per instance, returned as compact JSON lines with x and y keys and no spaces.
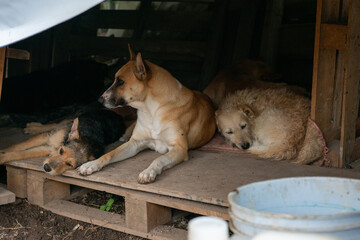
{"x":335,"y":90}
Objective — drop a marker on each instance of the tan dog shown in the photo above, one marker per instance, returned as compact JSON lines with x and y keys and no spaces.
{"x":246,"y":74}
{"x":171,"y":118}
{"x":271,"y":123}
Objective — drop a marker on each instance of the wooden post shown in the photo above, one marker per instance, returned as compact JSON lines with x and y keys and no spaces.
{"x":17,"y":181}
{"x":2,"y":67}
{"x":334,"y":103}
{"x":41,"y":190}
{"x":351,"y":86}
{"x":144,"y":216}
{"x":324,"y":67}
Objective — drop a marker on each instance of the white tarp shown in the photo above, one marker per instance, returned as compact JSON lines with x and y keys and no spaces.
{"x":20,"y":19}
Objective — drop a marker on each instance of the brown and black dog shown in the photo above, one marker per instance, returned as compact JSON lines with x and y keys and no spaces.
{"x":69,"y":144}
{"x":171,"y":119}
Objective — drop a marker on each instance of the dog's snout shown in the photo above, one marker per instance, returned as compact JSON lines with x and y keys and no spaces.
{"x":245,"y":145}
{"x":47,"y":168}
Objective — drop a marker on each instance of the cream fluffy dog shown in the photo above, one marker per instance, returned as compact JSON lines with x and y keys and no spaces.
{"x":271,"y":123}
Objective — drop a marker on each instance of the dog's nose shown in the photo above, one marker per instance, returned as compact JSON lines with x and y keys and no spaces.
{"x":47,"y":167}
{"x":245,"y":145}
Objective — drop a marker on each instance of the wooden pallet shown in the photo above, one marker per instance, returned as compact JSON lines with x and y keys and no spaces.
{"x":200,"y":185}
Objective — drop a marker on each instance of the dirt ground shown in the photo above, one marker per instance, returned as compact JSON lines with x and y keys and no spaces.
{"x":22,"y":220}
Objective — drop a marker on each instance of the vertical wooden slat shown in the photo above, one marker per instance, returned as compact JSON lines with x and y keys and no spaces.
{"x":340,"y":73}
{"x":17,"y":181}
{"x":41,"y":190}
{"x":2,"y":67}
{"x":324,"y":70}
{"x":144,"y":216}
{"x":351,"y":85}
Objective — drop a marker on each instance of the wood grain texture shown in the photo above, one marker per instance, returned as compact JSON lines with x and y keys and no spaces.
{"x":350,"y":105}
{"x":207,"y":177}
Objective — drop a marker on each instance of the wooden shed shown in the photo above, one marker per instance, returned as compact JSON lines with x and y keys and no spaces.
{"x":313,"y":44}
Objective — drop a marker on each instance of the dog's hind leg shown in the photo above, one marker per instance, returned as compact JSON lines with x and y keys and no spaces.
{"x":36,"y":127}
{"x":35,"y":152}
{"x":31,"y":142}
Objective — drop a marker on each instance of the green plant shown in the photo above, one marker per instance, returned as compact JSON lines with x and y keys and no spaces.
{"x":108,"y":205}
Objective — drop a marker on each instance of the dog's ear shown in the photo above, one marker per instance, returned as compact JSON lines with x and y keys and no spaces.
{"x":131,"y":52}
{"x":74,"y":132}
{"x":140,"y":69}
{"x":247,"y":110}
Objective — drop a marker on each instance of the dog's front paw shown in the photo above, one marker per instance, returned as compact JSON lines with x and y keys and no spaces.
{"x":88,"y":168}
{"x":147,"y":176}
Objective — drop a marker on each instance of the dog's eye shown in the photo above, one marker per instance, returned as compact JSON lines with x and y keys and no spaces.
{"x":243,"y":126}
{"x":119,"y":82}
{"x":61,"y":151}
{"x":229,"y":132}
{"x":68,"y":164}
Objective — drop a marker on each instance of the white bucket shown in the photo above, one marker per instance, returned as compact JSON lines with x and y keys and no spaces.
{"x":320,"y":205}
{"x":208,"y":228}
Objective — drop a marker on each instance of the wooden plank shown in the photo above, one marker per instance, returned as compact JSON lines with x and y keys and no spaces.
{"x":324,"y":67}
{"x":17,"y":54}
{"x":207,"y":177}
{"x":41,"y":190}
{"x":333,"y":36}
{"x":357,"y":149}
{"x":17,"y":181}
{"x":6,"y":196}
{"x":333,"y":134}
{"x":338,"y":92}
{"x":144,"y":216}
{"x":2,"y":67}
{"x":322,"y":91}
{"x":110,"y":220}
{"x":351,"y":86}
{"x":172,"y":202}
{"x":334,"y":153}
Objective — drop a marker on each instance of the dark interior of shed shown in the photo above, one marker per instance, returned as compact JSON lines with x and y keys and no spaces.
{"x":191,"y":39}
{"x":72,"y":63}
